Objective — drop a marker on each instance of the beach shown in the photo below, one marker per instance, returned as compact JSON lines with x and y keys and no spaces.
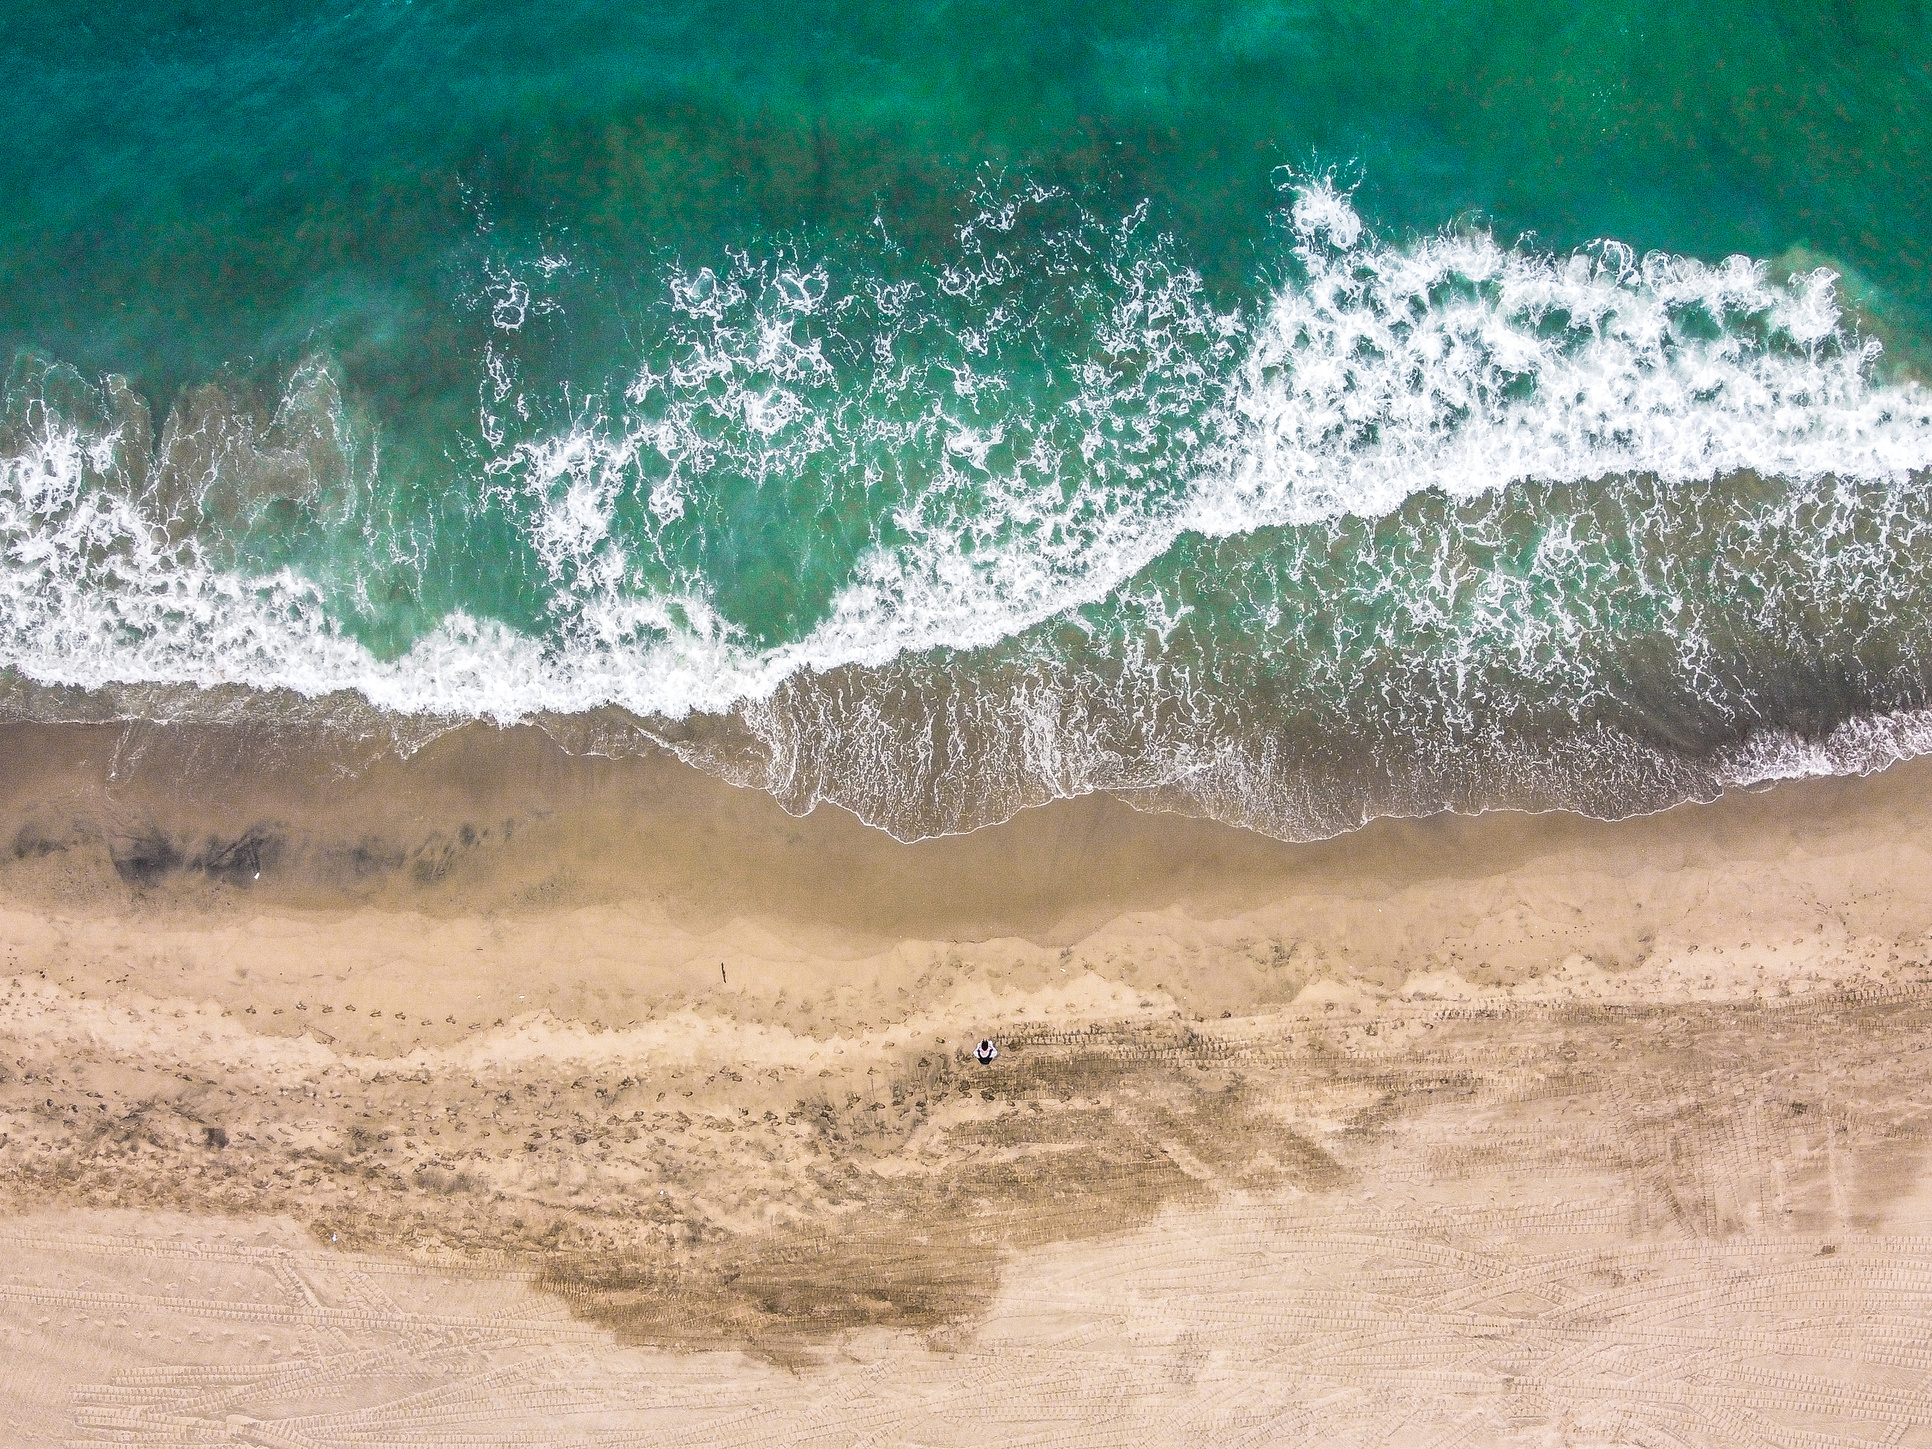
{"x":611,"y":891}
{"x":985,"y":724}
{"x":609,"y":1059}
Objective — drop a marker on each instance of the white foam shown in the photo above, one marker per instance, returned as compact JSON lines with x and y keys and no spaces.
{"x":1461,"y":365}
{"x":1452,"y":364}
{"x":1856,"y":747}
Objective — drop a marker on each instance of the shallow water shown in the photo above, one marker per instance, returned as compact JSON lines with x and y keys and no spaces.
{"x":1292,"y":413}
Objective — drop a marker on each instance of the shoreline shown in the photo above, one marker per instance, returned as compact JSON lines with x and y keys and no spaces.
{"x":639,"y":879}
{"x":648,"y":1068}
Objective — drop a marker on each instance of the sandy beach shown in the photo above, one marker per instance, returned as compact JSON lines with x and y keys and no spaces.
{"x":971,"y":726}
{"x":594,"y":1101}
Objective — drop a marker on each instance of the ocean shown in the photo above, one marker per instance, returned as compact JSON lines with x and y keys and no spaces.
{"x":1288,"y":413}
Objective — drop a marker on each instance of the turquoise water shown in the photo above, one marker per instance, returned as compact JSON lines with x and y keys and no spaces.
{"x":1295,"y":413}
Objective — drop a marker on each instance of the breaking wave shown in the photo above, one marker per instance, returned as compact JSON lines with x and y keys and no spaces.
{"x":1442,"y":524}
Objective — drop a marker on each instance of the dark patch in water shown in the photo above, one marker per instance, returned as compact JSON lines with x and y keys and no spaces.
{"x":148,"y":856}
{"x":143,"y":858}
{"x":241,"y":860}
{"x":34,"y":840}
{"x":437,"y":856}
{"x":368,"y":859}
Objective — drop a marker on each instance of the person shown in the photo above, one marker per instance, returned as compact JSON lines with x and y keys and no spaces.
{"x":986,"y":1051}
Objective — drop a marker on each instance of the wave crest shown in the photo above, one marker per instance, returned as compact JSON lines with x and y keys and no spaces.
{"x":941,"y":544}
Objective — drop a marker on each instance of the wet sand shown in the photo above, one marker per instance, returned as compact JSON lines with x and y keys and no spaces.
{"x":660,"y":1105}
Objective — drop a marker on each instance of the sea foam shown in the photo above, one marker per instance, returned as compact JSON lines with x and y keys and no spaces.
{"x":1033,"y":431}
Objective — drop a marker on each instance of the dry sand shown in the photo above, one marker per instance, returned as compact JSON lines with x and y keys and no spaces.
{"x":497,"y":1097}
